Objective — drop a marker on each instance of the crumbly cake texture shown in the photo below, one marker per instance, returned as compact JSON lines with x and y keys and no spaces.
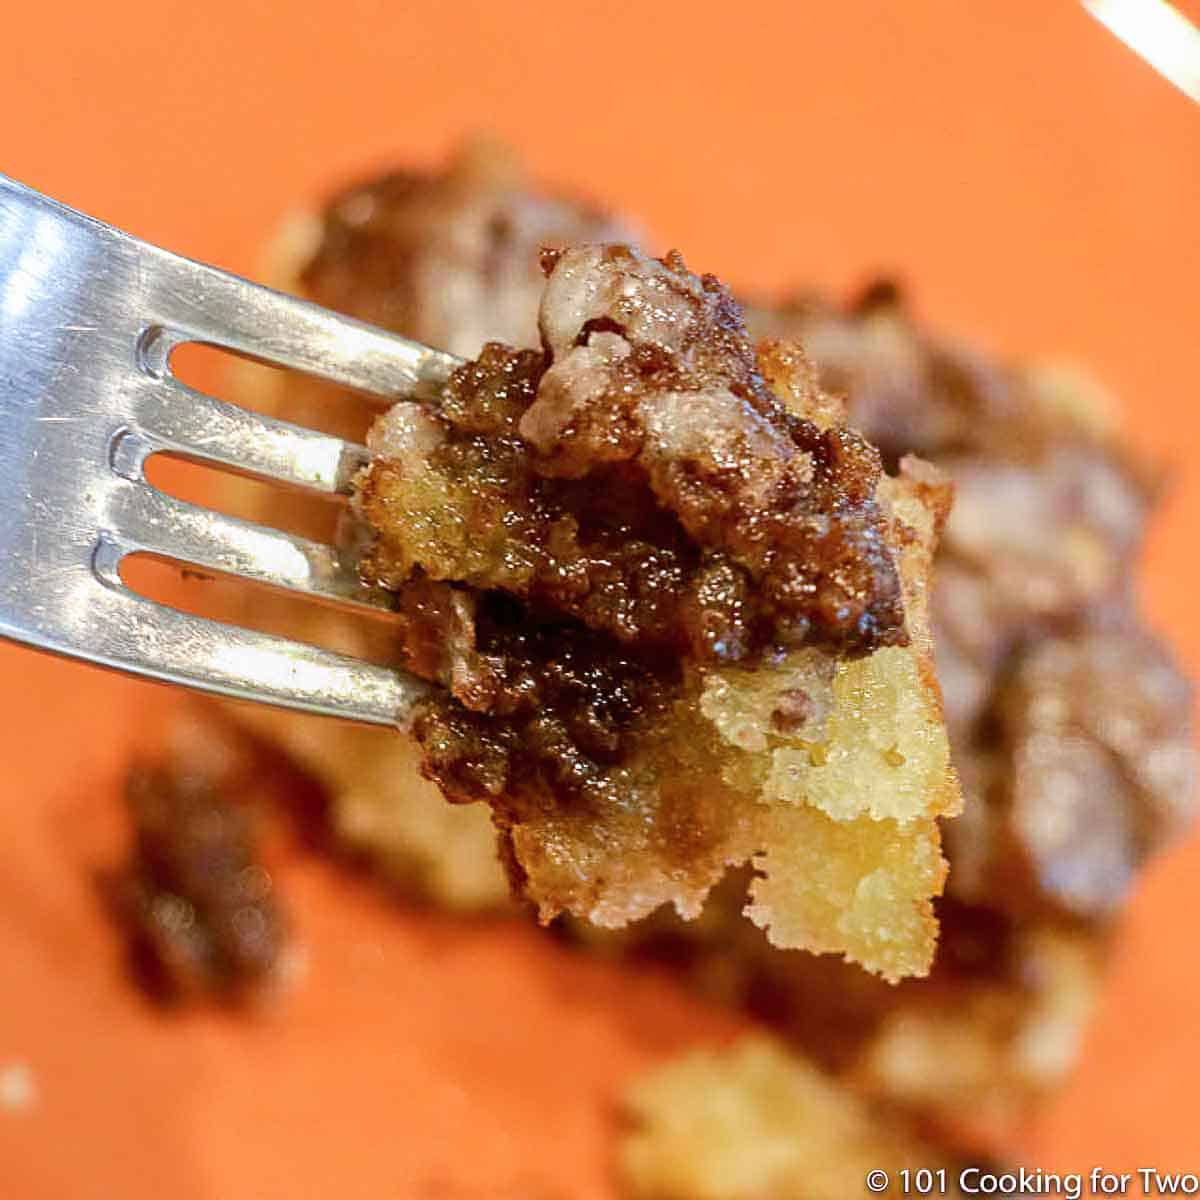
{"x":680,"y":621}
{"x":755,"y":1121}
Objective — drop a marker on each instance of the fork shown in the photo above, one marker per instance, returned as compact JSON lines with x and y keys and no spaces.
{"x":89,"y":317}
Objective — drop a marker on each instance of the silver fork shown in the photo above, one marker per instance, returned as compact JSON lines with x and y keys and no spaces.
{"x":89,"y":317}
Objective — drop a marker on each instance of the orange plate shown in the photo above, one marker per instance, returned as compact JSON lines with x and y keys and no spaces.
{"x":1034,"y":182}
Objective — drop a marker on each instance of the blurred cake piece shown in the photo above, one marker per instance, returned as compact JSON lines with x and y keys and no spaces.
{"x":757,"y":1122}
{"x":1087,"y":767}
{"x":383,"y":813}
{"x":448,"y":257}
{"x":997,"y":1023}
{"x":196,"y":901}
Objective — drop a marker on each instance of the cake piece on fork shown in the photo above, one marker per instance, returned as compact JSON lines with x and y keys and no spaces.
{"x":679,"y":612}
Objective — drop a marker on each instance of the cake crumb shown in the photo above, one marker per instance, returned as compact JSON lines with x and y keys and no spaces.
{"x":18,"y":1087}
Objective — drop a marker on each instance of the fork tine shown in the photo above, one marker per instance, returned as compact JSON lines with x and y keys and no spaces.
{"x":202,"y":303}
{"x":161,"y":643}
{"x":176,"y":417}
{"x":145,"y":519}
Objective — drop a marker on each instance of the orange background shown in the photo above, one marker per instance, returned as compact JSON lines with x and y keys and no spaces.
{"x":1037,"y":185}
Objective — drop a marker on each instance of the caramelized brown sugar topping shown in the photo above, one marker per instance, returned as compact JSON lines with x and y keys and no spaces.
{"x":641,"y":478}
{"x":662,"y":592}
